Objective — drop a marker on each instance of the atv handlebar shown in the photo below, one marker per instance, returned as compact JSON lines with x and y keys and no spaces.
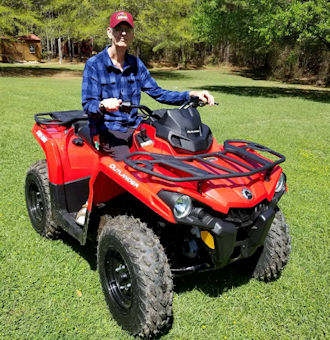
{"x":194,"y":101}
{"x":128,"y":106}
{"x":191,"y":102}
{"x":67,"y":118}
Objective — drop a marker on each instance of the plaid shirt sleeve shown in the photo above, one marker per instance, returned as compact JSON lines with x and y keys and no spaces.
{"x":91,"y":90}
{"x":150,"y":86}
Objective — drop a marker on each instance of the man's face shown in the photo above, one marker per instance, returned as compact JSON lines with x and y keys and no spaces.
{"x":122,"y":35}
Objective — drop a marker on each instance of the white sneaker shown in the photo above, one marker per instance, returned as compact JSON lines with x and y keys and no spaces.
{"x":81,"y":215}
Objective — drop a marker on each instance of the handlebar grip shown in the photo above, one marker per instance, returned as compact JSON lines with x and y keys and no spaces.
{"x":125,"y":107}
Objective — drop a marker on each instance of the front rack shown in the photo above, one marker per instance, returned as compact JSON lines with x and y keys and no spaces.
{"x":253,"y":164}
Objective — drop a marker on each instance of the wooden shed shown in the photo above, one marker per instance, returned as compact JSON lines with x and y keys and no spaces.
{"x":22,"y":48}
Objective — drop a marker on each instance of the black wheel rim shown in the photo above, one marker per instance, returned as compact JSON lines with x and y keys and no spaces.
{"x":36,"y":204}
{"x":118,"y":279}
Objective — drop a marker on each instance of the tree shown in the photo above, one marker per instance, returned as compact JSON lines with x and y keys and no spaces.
{"x":259,"y":23}
{"x":17,"y":16}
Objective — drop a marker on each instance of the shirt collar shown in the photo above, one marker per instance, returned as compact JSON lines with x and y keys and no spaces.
{"x":129,"y":61}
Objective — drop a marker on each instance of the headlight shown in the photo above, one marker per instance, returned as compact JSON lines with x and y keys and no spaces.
{"x":281,"y":183}
{"x":182,"y":206}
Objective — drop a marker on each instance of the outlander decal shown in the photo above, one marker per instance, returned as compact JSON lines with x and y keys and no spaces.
{"x":124,"y":176}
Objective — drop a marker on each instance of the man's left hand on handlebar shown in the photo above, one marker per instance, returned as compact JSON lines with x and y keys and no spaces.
{"x":204,"y":96}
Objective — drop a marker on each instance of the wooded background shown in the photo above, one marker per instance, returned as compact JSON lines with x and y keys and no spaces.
{"x":285,"y":39}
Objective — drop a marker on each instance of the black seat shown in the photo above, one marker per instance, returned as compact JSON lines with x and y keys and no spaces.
{"x":69,"y":117}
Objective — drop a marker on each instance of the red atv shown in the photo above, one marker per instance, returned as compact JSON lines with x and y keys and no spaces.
{"x":179,"y":203}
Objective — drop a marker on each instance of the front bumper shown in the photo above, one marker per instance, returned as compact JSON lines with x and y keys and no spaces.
{"x":231,"y":241}
{"x":229,"y":248}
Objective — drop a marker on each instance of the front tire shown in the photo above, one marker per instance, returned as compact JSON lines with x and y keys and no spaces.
{"x":38,"y":202}
{"x":276,"y":250}
{"x":135,"y":276}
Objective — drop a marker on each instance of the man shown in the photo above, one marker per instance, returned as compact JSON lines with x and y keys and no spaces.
{"x":114,"y":76}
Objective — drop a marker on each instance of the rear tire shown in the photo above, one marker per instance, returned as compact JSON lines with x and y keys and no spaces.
{"x":38,"y":203}
{"x":276,"y":250}
{"x":135,"y":276}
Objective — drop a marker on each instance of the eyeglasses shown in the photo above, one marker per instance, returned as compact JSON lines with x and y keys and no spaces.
{"x":123,"y":29}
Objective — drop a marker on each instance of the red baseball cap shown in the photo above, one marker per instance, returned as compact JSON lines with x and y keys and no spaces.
{"x":121,"y":16}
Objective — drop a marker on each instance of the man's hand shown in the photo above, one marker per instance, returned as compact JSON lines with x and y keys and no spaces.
{"x":204,"y":96}
{"x":110,"y":104}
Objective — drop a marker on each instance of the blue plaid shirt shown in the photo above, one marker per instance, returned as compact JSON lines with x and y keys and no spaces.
{"x":101,"y":80}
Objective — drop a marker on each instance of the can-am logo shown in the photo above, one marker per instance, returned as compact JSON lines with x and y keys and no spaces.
{"x":124,"y":176}
{"x":247,"y":194}
{"x":193,"y":131}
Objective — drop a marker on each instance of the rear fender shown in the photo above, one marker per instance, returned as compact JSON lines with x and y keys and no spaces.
{"x":50,"y":147}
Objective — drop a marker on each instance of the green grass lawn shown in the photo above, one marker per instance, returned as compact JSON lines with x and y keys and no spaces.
{"x":50,"y":289}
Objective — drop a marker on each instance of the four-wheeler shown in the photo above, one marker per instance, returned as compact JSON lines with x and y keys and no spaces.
{"x":179,"y":203}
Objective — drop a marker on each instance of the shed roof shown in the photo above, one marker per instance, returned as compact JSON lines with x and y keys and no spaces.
{"x":29,"y":37}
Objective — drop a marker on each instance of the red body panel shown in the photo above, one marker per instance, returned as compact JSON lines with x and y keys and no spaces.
{"x":68,"y":162}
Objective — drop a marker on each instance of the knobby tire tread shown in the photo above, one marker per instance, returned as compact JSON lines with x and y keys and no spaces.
{"x":152,"y":272}
{"x":40,"y":170}
{"x":276,"y":250}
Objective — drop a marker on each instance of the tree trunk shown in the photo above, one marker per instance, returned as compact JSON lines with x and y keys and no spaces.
{"x":60,"y":55}
{"x":227,"y":53}
{"x":183,"y":57}
{"x":48,"y":46}
{"x":79,"y":51}
{"x":70,"y":49}
{"x":53,"y":48}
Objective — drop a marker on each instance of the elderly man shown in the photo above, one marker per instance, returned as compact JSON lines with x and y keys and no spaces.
{"x":114,"y":76}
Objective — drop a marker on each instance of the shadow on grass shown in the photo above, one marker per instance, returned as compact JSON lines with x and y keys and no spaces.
{"x":212,"y":283}
{"x":36,"y":71}
{"x":39,"y":71}
{"x":215,"y":283}
{"x":87,"y":252}
{"x":270,"y":92}
{"x":168,"y":75}
{"x":255,"y":74}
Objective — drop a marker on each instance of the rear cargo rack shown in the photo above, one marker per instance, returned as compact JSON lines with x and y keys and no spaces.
{"x":63,"y":118}
{"x":251,"y":162}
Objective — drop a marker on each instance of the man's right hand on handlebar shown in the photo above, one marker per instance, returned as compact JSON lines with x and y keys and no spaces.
{"x":204,"y":96}
{"x":110,"y":104}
